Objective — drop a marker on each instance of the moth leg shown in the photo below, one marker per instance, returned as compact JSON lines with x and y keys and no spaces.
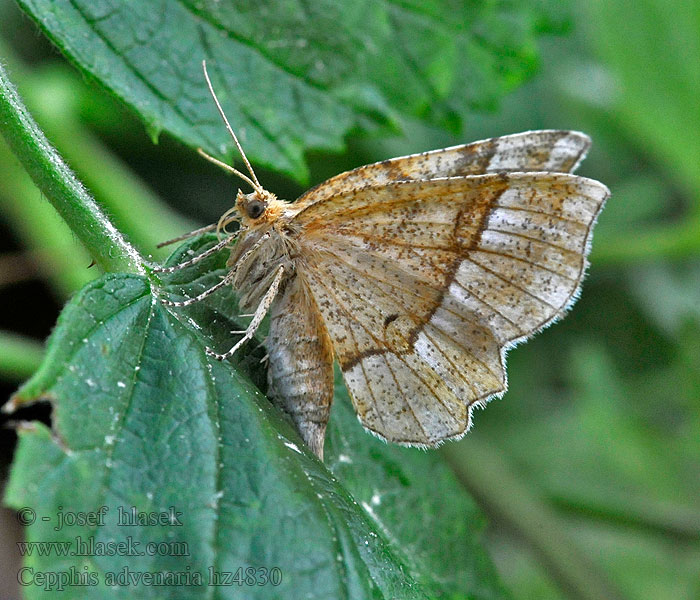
{"x":226,"y":280}
{"x":188,"y":263}
{"x":260,"y":313}
{"x":205,"y":294}
{"x":186,"y":236}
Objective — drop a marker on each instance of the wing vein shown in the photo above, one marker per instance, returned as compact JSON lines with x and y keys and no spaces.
{"x":381,"y":346}
{"x":466,"y":351}
{"x":540,"y":212}
{"x":532,"y":239}
{"x":490,"y":306}
{"x":529,"y":262}
{"x":404,"y":289}
{"x":398,"y":242}
{"x":508,"y":281}
{"x":403,"y":395}
{"x":469,"y":383}
{"x":407,"y":311}
{"x":448,"y":276}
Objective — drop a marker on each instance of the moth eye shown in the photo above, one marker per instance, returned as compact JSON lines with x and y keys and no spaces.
{"x":255,"y":208}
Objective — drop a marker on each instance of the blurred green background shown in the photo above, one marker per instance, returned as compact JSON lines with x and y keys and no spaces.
{"x":600,"y":427}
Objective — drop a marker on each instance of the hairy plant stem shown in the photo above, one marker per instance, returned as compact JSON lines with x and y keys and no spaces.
{"x":62,"y":189}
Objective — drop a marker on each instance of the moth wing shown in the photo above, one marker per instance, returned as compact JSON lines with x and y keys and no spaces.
{"x":544,"y":150}
{"x":422,"y":286}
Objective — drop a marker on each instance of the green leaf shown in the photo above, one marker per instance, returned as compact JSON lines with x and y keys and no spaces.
{"x":620,"y":403}
{"x":657,"y":83}
{"x":669,"y":294}
{"x":417,"y":503}
{"x":143,"y":417}
{"x":296,"y":76}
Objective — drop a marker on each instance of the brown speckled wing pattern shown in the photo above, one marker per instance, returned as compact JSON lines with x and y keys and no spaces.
{"x":418,"y":273}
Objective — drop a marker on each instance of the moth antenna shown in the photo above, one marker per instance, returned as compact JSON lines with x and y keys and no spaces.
{"x":257,"y":185}
{"x":229,"y":168}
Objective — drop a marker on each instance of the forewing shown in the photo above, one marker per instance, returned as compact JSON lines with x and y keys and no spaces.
{"x":545,"y":150}
{"x":422,"y":284}
{"x":409,"y":382}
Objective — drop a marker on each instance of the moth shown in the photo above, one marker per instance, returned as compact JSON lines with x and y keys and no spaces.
{"x":416,"y":274}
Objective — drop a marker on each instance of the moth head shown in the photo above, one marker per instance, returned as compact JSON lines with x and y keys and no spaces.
{"x":258,"y":208}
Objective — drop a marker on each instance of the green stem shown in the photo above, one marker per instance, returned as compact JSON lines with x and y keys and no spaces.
{"x":60,"y":186}
{"x":633,"y":510}
{"x":20,"y":357}
{"x":58,"y":256}
{"x":511,"y":502}
{"x":55,"y":94}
